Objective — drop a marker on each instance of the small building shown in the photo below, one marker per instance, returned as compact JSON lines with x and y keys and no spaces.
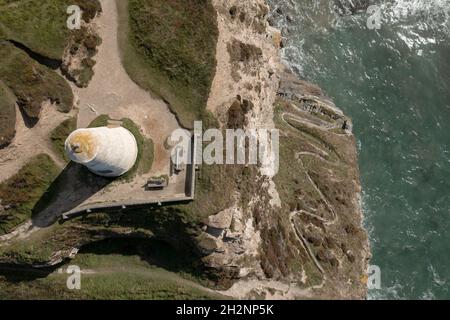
{"x":107,"y":152}
{"x":156,"y":183}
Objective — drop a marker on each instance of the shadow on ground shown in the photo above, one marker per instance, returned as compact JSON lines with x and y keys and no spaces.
{"x":28,"y":121}
{"x":155,"y":252}
{"x":74,"y":185}
{"x":23,"y":273}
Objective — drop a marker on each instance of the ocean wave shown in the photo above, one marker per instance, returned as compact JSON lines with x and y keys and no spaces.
{"x":328,"y":48}
{"x":424,"y":14}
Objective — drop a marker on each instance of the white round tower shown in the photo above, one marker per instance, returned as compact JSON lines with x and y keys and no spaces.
{"x":107,"y":152}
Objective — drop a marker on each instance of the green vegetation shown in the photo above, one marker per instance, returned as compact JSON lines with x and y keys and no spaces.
{"x":322,"y":187}
{"x":22,"y":191}
{"x":37,"y":248}
{"x":90,"y":8}
{"x":41,"y":25}
{"x":212,"y":180}
{"x":7,"y":115}
{"x":59,"y":135}
{"x":168,"y":47}
{"x":164,"y":224}
{"x":33,"y":38}
{"x":145,"y":156}
{"x":74,"y":173}
{"x":100,"y":121}
{"x":210,"y":197}
{"x":31,"y":82}
{"x":178,"y":225}
{"x":121,"y":267}
{"x":111,"y":276}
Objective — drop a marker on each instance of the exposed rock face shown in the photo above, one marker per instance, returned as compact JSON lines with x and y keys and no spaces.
{"x":310,"y":99}
{"x":77,"y":61}
{"x":297,"y":234}
{"x":319,"y":156}
{"x":247,"y":58}
{"x":34,"y":84}
{"x":242,"y":96}
{"x":7,"y":115}
{"x":300,"y":234}
{"x":30,"y":75}
{"x":234,"y":245}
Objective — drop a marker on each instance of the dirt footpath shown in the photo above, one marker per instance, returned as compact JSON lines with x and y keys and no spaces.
{"x":112,"y":92}
{"x":29,"y":142}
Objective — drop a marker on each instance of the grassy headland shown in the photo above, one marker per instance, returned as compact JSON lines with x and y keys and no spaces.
{"x":31,"y":82}
{"x":168,"y":48}
{"x":41,"y":25}
{"x":111,"y":276}
{"x":7,"y":115}
{"x":59,"y":135}
{"x":145,"y":156}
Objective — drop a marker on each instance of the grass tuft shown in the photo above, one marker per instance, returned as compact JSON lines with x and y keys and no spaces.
{"x":34,"y":84}
{"x":59,"y":135}
{"x":145,"y":156}
{"x":21,"y":192}
{"x":7,"y":115}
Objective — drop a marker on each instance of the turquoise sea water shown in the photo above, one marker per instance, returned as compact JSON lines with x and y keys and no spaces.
{"x":395,"y":84}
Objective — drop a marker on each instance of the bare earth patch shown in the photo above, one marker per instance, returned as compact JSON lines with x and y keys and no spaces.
{"x":30,"y":142}
{"x":112,"y":92}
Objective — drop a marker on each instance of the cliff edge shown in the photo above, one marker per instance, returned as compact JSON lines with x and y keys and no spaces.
{"x":290,"y":235}
{"x":299,"y":235}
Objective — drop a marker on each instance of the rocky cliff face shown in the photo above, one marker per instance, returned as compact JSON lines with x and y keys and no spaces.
{"x":296,"y":234}
{"x":300,"y":234}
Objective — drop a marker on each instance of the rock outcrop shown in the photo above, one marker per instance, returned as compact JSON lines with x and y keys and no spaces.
{"x":295,"y":234}
{"x":77,"y":61}
{"x":302,"y":229}
{"x":7,"y":115}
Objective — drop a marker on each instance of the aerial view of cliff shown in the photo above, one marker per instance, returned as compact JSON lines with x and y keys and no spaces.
{"x":224,"y":150}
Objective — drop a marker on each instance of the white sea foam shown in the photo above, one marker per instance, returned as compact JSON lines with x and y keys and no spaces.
{"x":437,"y":279}
{"x":421,"y":25}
